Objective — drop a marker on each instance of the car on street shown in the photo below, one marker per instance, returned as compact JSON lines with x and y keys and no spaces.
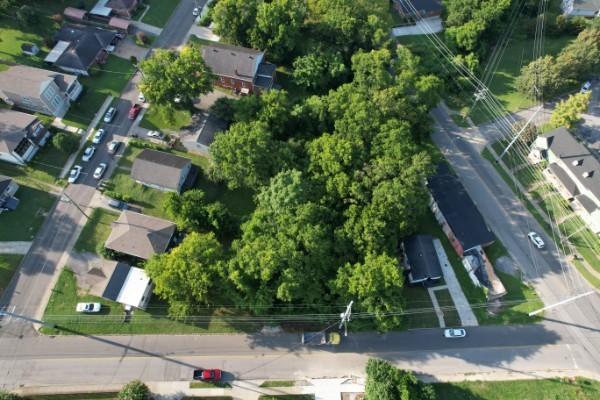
{"x":118,"y":204}
{"x":207,"y":374}
{"x":135,"y":110}
{"x":88,"y":307}
{"x":98,"y":136}
{"x":195,"y":12}
{"x":454,"y":333}
{"x":586,"y":87}
{"x":114,"y":146}
{"x":88,"y":153}
{"x":110,"y":114}
{"x":536,"y":240}
{"x":74,"y":174}
{"x":99,"y":171}
{"x":156,"y":135}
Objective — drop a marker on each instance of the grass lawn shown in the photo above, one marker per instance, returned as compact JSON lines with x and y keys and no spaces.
{"x":586,"y":243}
{"x":96,"y":230}
{"x":419,"y":311}
{"x":23,"y":223}
{"x":555,"y":206}
{"x":199,"y":42}
{"x":160,"y":11}
{"x":12,"y":36}
{"x":75,"y":396}
{"x":106,"y":80}
{"x":284,"y":78}
{"x":513,"y":157}
{"x":541,"y":389}
{"x":277,"y":384}
{"x":529,"y":177}
{"x":210,"y":385}
{"x":8,"y":265}
{"x":459,"y":120}
{"x":451,"y":317}
{"x":153,"y":119}
{"x":58,"y":6}
{"x":155,"y":320}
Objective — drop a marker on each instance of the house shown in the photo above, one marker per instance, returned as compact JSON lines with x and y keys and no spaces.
{"x":30,"y":49}
{"x":420,"y":260}
{"x":21,"y":135}
{"x":121,"y":8}
{"x":140,"y":235}
{"x":201,"y":140}
{"x":8,"y":188}
{"x":240,"y":69}
{"x":79,"y":47}
{"x":581,"y":8}
{"x":456,"y":213}
{"x":39,"y":90}
{"x":129,"y":286}
{"x":160,"y":170}
{"x":574,"y":171}
{"x":416,"y":9}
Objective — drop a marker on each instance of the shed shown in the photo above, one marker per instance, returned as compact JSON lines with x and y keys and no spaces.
{"x":129,"y":286}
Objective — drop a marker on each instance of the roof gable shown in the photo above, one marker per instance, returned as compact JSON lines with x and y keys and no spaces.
{"x":84,"y":45}
{"x":422,"y":257}
{"x":29,"y":81}
{"x":159,"y":168}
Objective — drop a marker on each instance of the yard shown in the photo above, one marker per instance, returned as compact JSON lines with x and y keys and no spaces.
{"x":154,"y":119}
{"x":23,"y":223}
{"x":9,"y":263}
{"x":160,"y":11}
{"x":96,"y":230}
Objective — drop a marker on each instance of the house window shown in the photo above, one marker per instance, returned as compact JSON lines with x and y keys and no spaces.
{"x":26,"y":99}
{"x":49,"y":93}
{"x":222,"y":79}
{"x":243,"y":84}
{"x":56,"y":102}
{"x":232,"y":81}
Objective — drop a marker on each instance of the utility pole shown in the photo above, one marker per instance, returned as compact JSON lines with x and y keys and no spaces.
{"x":560,"y":303}
{"x":37,"y":321}
{"x":518,"y":134}
{"x":70,"y":200}
{"x":345,"y":318}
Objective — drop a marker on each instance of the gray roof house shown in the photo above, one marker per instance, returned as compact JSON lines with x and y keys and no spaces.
{"x":39,"y":90}
{"x":160,"y":170}
{"x":201,"y":140}
{"x":8,"y":188}
{"x":79,"y":47}
{"x":574,"y":171}
{"x":239,"y":68}
{"x":140,"y":235}
{"x":421,"y":260}
{"x":21,"y":135}
{"x":129,"y":286}
{"x":581,"y":8}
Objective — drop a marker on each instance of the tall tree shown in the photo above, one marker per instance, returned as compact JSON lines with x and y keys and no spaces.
{"x":234,"y":20}
{"x":567,"y":111}
{"x":186,"y":210}
{"x":541,"y":78}
{"x":581,"y":57}
{"x":320,"y":70}
{"x":386,"y":382}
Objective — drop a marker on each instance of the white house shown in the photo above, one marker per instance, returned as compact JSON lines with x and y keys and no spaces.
{"x":129,"y":286}
{"x":160,"y":170}
{"x":581,"y":8}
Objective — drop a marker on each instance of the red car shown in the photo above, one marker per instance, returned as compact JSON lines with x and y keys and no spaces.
{"x":207,"y":374}
{"x":135,"y":110}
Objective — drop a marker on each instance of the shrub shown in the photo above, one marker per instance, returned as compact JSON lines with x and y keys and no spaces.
{"x":135,"y":390}
{"x":142,"y":38}
{"x":65,"y":142}
{"x":10,"y":396}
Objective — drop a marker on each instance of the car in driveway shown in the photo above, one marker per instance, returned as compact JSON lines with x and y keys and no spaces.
{"x":74,"y":174}
{"x":536,"y":240}
{"x":98,"y":136}
{"x":118,"y":204}
{"x":114,"y":146}
{"x":99,"y":170}
{"x":88,"y":307}
{"x":88,"y":153}
{"x":156,"y":135}
{"x":135,"y":110}
{"x":453,"y":333}
{"x":586,"y":87}
{"x":110,"y":114}
{"x":207,"y":374}
{"x":141,"y":97}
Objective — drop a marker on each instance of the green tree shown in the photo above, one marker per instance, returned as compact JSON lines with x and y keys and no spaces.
{"x":277,"y":28}
{"x":372,"y":70}
{"x":275,"y":112}
{"x":580,"y":58}
{"x":223,"y":108}
{"x":386,"y":382}
{"x":65,"y":142}
{"x":5,"y":6}
{"x":566,"y":113}
{"x":169,"y":73}
{"x":320,"y":70}
{"x":134,"y":390}
{"x":191,"y":274}
{"x":541,"y":78}
{"x":234,"y":20}
{"x":186,"y":210}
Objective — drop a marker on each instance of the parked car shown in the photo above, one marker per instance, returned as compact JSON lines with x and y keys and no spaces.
{"x":156,"y":135}
{"x":114,"y":41}
{"x":454,"y":333}
{"x":141,"y":97}
{"x":98,"y":136}
{"x":207,"y":374}
{"x":88,"y":153}
{"x":118,"y":204}
{"x":99,"y":171}
{"x":586,"y":87}
{"x":536,"y":240}
{"x":120,"y":36}
{"x":195,"y":12}
{"x":135,"y":110}
{"x":114,"y":146}
{"x":88,"y":307}
{"x":110,"y":114}
{"x":74,"y":174}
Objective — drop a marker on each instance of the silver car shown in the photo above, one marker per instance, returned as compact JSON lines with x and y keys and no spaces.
{"x":110,"y":114}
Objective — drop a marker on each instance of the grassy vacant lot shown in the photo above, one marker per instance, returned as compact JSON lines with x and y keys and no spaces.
{"x":542,"y":389}
{"x":8,"y":265}
{"x":155,"y":320}
{"x":153,"y":119}
{"x":160,"y":11}
{"x":12,"y":36}
{"x":23,"y":223}
{"x":105,"y":80}
{"x":96,"y":230}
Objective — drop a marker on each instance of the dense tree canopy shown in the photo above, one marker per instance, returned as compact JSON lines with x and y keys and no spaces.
{"x":386,"y":382}
{"x":234,"y":19}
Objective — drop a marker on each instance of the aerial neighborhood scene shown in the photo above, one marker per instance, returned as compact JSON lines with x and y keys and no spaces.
{"x":300,"y":199}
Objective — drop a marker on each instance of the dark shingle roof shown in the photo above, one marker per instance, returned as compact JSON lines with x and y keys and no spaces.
{"x":84,"y":45}
{"x":233,"y":61}
{"x":4,"y":182}
{"x":460,"y":212}
{"x":117,"y":279}
{"x":212,"y":126}
{"x":565,"y":179}
{"x":422,"y":258}
{"x":158,"y":168}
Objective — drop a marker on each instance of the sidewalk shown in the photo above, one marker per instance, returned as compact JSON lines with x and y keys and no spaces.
{"x":14,"y":247}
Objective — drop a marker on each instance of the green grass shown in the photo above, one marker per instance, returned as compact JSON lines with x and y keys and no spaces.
{"x":96,"y":230}
{"x":513,"y":157}
{"x":529,"y":177}
{"x":75,"y":396}
{"x":207,"y":397}
{"x":451,"y":317}
{"x":418,"y":308}
{"x":288,"y":397}
{"x":9,"y":263}
{"x":106,"y":80}
{"x":396,"y":19}
{"x":153,"y":119}
{"x":160,"y":12}
{"x":555,"y":206}
{"x":586,"y":243}
{"x":541,"y":191}
{"x":495,"y":251}
{"x":23,"y":223}
{"x":58,"y":6}
{"x":199,"y":42}
{"x":460,"y":121}
{"x":268,"y":384}
{"x":586,"y":274}
{"x":210,"y":385}
{"x":540,"y":389}
{"x":12,"y":36}
{"x":285,"y":79}
{"x":155,"y":320}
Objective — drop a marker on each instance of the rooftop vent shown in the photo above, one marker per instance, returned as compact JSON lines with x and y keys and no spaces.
{"x":587,"y":174}
{"x":576,"y":163}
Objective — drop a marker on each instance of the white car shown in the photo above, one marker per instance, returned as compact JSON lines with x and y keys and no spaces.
{"x":454,"y":333}
{"x":99,"y":171}
{"x":110,"y":114}
{"x":195,"y":12}
{"x":141,"y":98}
{"x":536,"y":240}
{"x":586,"y":87}
{"x":88,"y":307}
{"x":98,"y":136}
{"x":88,"y":153}
{"x":156,"y":135}
{"x":113,"y":146}
{"x":74,"y":174}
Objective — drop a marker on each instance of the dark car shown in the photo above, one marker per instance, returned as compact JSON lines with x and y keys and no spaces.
{"x":135,"y":110}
